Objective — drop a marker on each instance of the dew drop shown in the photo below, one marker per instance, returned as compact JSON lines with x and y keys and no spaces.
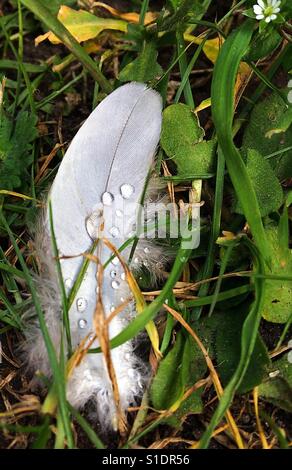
{"x":107,"y":198}
{"x":114,"y":231}
{"x":123,"y":276}
{"x":122,"y":299}
{"x":81,"y":304}
{"x":68,"y":283}
{"x":112,"y":308}
{"x":115,"y":284}
{"x":82,"y":323}
{"x":119,"y":213}
{"x":146,"y":250}
{"x":127,"y":190}
{"x":136,"y":260}
{"x":113,"y":274}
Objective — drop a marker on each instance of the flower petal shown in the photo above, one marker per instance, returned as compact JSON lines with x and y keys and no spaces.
{"x":273,"y":17}
{"x":260,"y":17}
{"x":277,"y":10}
{"x":257,"y":9}
{"x":262,"y":4}
{"x":268,"y":19}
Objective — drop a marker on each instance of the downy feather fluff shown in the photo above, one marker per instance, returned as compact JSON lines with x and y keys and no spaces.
{"x":105,"y":167}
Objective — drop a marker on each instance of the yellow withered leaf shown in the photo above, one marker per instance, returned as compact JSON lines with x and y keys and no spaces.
{"x":139,"y":300}
{"x":82,"y":25}
{"x":242,"y":79}
{"x":211,"y":47}
{"x":203,"y":105}
{"x":140,"y":306}
{"x":211,"y":50}
{"x":132,"y":17}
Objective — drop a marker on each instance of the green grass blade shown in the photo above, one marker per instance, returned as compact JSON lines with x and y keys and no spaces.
{"x":268,"y":83}
{"x":188,"y":69}
{"x":225,"y":295}
{"x":44,"y":435}
{"x":189,"y":177}
{"x":23,"y":71}
{"x":184,"y":71}
{"x":280,"y":59}
{"x":15,"y":320}
{"x":143,"y":11}
{"x":248,"y":339}
{"x":222,"y":97}
{"x":283,"y":442}
{"x":7,"y":64}
{"x":59,"y":379}
{"x":223,"y":266}
{"x":215,"y":229}
{"x":65,"y":306}
{"x":55,"y":94}
{"x":11,"y":270}
{"x":87,"y":428}
{"x":151,"y":310}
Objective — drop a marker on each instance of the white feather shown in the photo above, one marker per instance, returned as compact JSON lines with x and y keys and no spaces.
{"x":109,"y":158}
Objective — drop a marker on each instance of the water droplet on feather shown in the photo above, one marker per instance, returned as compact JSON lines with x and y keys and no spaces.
{"x":82,"y":323}
{"x":127,"y":190}
{"x":115,"y":284}
{"x":107,"y":198}
{"x":81,"y":303}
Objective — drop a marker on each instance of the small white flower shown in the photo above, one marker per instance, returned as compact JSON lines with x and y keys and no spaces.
{"x":267,"y":10}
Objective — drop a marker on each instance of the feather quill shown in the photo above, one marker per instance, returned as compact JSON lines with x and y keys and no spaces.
{"x":98,"y":185}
